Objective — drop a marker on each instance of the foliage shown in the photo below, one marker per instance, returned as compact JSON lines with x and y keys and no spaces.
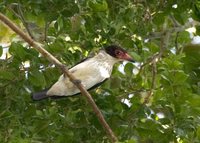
{"x":152,"y":31}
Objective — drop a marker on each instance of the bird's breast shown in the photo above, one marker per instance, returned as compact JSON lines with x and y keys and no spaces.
{"x":103,"y":70}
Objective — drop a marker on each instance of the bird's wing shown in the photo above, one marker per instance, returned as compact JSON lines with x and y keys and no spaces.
{"x":90,"y":74}
{"x":83,"y":60}
{"x":98,"y":84}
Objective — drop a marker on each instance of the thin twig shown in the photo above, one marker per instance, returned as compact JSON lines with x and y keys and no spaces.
{"x":174,"y":21}
{"x":20,"y":15}
{"x":176,"y":24}
{"x":149,"y":60}
{"x":176,"y":41}
{"x":46,"y":30}
{"x":157,"y":35}
{"x":156,"y":58}
{"x":153,"y":83}
{"x":52,"y":59}
{"x":25,"y":23}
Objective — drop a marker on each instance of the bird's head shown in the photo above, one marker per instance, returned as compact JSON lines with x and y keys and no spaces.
{"x":119,"y":53}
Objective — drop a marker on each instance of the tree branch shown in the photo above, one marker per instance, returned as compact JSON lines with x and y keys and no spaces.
{"x":45,"y":30}
{"x":157,"y":35}
{"x":153,"y":83}
{"x":52,"y":59}
{"x":155,"y":59}
{"x":20,"y":15}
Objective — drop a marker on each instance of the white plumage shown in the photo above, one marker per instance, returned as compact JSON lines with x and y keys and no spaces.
{"x":91,"y":72}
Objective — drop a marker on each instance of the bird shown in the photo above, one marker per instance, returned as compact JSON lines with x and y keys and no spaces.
{"x":91,"y":72}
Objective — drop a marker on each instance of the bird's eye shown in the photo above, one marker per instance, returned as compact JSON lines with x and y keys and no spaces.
{"x":118,"y":52}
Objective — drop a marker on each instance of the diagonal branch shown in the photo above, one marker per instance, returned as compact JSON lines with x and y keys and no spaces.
{"x":73,"y":79}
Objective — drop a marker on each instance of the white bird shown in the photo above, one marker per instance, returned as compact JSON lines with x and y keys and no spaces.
{"x":91,"y":72}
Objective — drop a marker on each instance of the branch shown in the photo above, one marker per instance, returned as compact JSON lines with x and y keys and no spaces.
{"x":156,"y":35}
{"x":45,"y":31}
{"x":26,"y":25}
{"x":166,"y":32}
{"x":20,"y":15}
{"x":153,"y":84}
{"x":52,"y":59}
{"x":154,"y":60}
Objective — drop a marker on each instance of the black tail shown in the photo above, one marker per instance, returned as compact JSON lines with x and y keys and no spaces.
{"x":40,"y":95}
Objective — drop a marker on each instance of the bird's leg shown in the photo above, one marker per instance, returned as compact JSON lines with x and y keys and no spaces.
{"x":63,"y":67}
{"x":76,"y":81}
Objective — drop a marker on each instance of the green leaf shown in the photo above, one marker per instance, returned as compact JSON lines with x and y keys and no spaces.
{"x":159,"y":18}
{"x":115,"y":83}
{"x":37,"y":78}
{"x":184,"y":37}
{"x":1,"y":50}
{"x":131,"y":141}
{"x":98,"y":6}
{"x":39,"y":113}
{"x":6,"y":75}
{"x":198,"y":133}
{"x":128,"y":141}
{"x":17,"y":50}
{"x":135,"y":56}
{"x":179,"y":17}
{"x":129,"y":69}
{"x":179,"y":77}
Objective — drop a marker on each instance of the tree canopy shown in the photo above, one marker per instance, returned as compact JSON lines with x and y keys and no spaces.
{"x":155,"y":100}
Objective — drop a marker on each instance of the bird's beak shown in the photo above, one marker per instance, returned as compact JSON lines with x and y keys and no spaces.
{"x":127,"y":57}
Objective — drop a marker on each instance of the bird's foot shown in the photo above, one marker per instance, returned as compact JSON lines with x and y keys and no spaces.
{"x":76,"y":81}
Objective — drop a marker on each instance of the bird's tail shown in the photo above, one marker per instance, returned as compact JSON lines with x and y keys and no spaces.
{"x":40,"y":95}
